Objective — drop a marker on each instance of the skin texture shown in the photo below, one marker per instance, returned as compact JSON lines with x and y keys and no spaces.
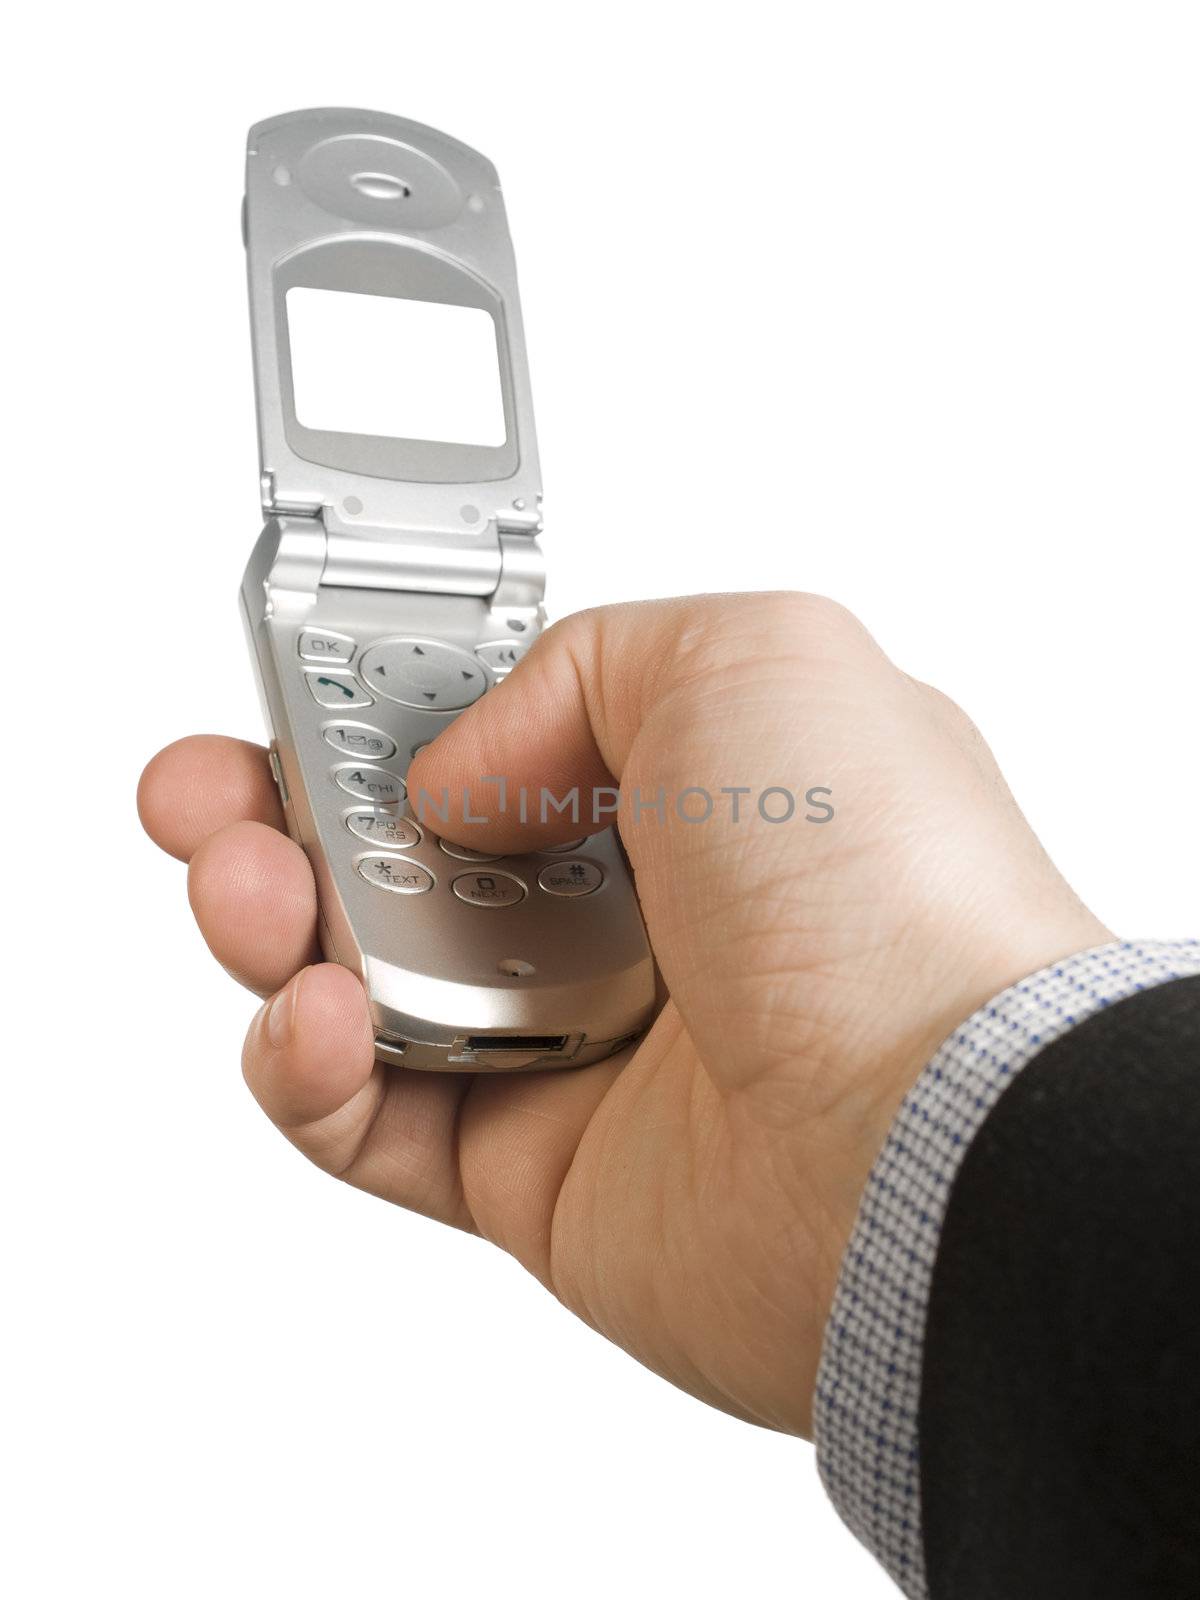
{"x":690,"y":1198}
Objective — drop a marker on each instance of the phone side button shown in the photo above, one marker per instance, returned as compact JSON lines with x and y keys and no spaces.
{"x":277,"y":774}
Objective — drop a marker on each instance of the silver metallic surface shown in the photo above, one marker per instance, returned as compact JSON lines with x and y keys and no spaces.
{"x":366,"y":543}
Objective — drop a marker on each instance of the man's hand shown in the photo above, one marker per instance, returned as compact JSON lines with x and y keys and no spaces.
{"x":689,"y":1198}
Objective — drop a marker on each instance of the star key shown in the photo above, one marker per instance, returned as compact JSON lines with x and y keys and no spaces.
{"x":394,"y":875}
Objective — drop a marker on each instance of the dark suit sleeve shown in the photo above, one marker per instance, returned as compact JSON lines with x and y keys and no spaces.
{"x":1008,"y":1402}
{"x":1060,"y":1403}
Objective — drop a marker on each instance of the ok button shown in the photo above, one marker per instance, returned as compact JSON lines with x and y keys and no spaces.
{"x":356,"y":739}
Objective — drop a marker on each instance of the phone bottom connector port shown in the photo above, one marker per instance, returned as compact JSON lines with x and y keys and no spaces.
{"x":512,"y":1052}
{"x":543,"y":1044}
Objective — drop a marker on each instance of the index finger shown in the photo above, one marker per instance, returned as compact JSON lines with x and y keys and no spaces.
{"x":201,"y":784}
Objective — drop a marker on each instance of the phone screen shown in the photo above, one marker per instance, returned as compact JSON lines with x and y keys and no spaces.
{"x":401,"y":369}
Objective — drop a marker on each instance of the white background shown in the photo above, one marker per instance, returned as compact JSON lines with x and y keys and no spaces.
{"x":892,"y":302}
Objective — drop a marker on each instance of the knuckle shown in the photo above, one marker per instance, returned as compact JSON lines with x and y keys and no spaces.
{"x":575,"y":633}
{"x":783,"y":624}
{"x":811,"y":615}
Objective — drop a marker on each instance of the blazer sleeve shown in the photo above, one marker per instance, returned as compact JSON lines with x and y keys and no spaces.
{"x":1008,"y":1403}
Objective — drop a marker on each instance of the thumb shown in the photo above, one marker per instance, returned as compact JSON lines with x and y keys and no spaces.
{"x":600,"y":685}
{"x":563,"y":719}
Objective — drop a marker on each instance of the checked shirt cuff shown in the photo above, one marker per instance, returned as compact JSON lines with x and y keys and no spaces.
{"x":869,"y":1382}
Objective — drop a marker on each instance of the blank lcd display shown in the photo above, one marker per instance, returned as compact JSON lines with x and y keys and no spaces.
{"x":401,"y":369}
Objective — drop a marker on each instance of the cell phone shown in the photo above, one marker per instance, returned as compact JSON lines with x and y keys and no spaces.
{"x":398,"y":578}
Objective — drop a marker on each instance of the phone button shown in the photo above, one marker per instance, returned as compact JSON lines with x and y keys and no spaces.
{"x":395,"y":874}
{"x":277,"y":773}
{"x":564,"y":849}
{"x":356,"y":739}
{"x":502,"y":655}
{"x":317,"y":645}
{"x":571,"y":878}
{"x":385,"y":828}
{"x":488,"y":889}
{"x":340,"y":689}
{"x":427,"y":674}
{"x":370,"y":783}
{"x":462,"y":852}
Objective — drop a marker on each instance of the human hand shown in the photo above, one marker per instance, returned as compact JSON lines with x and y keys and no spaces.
{"x":689,"y":1198}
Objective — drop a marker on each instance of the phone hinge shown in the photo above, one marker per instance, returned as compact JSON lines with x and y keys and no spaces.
{"x":501,"y":565}
{"x":517,"y":597}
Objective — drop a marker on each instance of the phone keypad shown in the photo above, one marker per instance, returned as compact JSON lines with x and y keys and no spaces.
{"x":420,"y":675}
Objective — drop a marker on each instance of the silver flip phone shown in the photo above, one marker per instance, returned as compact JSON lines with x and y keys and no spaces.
{"x":398,"y":577}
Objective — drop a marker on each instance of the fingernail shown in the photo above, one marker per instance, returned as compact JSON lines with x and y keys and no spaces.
{"x":281,"y":1013}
